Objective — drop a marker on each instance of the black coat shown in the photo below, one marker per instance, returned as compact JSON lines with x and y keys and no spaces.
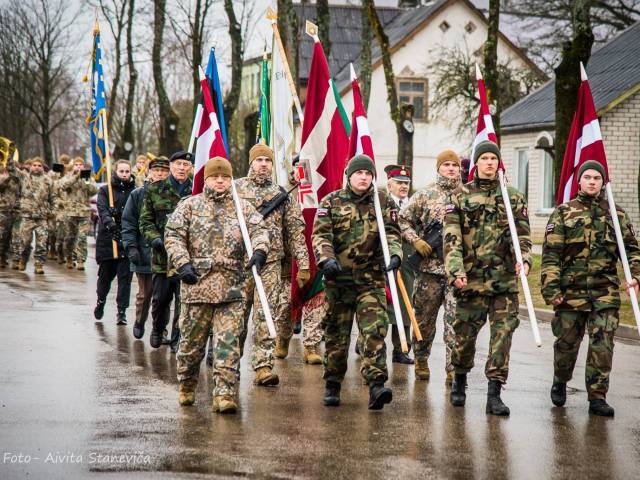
{"x":104,"y":245}
{"x":131,"y":236}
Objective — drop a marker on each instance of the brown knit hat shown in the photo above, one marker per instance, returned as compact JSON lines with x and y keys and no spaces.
{"x":260,"y":150}
{"x":217,"y":166}
{"x":447,"y":156}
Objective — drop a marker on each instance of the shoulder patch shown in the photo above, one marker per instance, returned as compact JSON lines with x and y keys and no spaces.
{"x":525,"y":212}
{"x":550,"y":227}
{"x":450,"y":208}
{"x":632,"y":230}
{"x":393,"y":213}
{"x":323,"y":212}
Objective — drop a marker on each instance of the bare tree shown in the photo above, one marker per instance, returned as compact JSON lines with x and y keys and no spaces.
{"x":237,"y":57}
{"x":288,"y":27}
{"x":324,"y":21}
{"x":127,"y":136}
{"x":491,"y":62}
{"x":365,"y":58}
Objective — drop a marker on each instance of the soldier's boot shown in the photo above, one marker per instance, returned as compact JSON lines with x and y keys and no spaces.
{"x":422,"y":369}
{"x":332,"y":394}
{"x":224,"y":404}
{"x":155,"y":339}
{"x":98,"y":312}
{"x":599,"y":406}
{"x":15,"y":265}
{"x":121,"y":317}
{"x":450,"y":376}
{"x":559,"y":393}
{"x":187,"y":392}
{"x":80,"y":266}
{"x":266,"y":378}
{"x":495,"y":406}
{"x":138,"y":330}
{"x":38,"y":269}
{"x":311,"y":356}
{"x":379,"y":395}
{"x":282,"y":347}
{"x":458,"y":395}
{"x":51,"y":254}
{"x":401,"y":357}
{"x":69,"y":263}
{"x":22,"y":265}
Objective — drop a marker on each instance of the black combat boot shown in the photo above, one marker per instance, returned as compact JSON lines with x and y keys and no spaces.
{"x":138,"y":330}
{"x":494,"y":403}
{"x":98,"y":312}
{"x":155,"y":339}
{"x":332,"y":394}
{"x":379,"y":395}
{"x":121,"y":318}
{"x":559,"y":394}
{"x":401,"y":357}
{"x":599,"y":406}
{"x":457,"y":395}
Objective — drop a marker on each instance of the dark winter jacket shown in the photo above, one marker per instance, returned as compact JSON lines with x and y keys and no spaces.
{"x":131,"y":235}
{"x":109,"y":224}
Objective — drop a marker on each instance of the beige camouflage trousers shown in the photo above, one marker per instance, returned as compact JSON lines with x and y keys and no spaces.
{"x":75,"y":242}
{"x":430,"y":292}
{"x":263,"y":346}
{"x":30,"y":227}
{"x":196,"y":320}
{"x":61,"y":235}
{"x":312,"y":316}
{"x":7,"y":220}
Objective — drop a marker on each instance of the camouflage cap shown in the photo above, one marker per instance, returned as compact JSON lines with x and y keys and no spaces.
{"x":159,"y":162}
{"x":217,"y":166}
{"x":592,"y":165}
{"x":360,"y":162}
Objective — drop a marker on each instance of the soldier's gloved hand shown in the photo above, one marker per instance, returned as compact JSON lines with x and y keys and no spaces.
{"x":188,"y":274}
{"x":422,"y":248}
{"x":394,"y":263}
{"x":113,"y":211}
{"x":158,"y":245}
{"x":302,"y":277}
{"x":134,"y":256}
{"x":331,"y":268}
{"x":259,"y":258}
{"x":434,"y":238}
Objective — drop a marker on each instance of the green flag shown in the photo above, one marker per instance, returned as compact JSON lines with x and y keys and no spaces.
{"x":264,"y":116}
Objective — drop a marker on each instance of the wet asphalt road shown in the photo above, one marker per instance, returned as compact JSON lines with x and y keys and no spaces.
{"x":80,"y":398}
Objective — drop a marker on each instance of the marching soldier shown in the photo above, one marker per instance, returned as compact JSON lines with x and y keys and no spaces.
{"x":346,"y":243}
{"x":160,"y":201}
{"x":78,"y":187}
{"x":398,"y":184}
{"x":481,"y":265}
{"x":421,"y":222}
{"x":53,"y":239}
{"x":580,"y":280}
{"x":286,"y":226}
{"x":35,"y":205}
{"x":9,"y":198}
{"x":204,"y":242}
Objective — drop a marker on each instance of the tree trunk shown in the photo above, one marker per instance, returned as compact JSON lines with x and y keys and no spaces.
{"x":237,"y":54}
{"x":405,"y":143}
{"x":250,"y":127}
{"x":568,"y":78}
{"x":324,"y":20}
{"x":491,"y":63}
{"x":196,"y":49}
{"x":365,"y":59}
{"x":288,"y":28}
{"x":168,"y":139}
{"x":128,"y":137}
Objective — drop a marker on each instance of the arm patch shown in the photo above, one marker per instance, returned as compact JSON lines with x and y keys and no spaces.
{"x":323,"y":212}
{"x":450,"y":208}
{"x":550,"y":227}
{"x":393,"y":214}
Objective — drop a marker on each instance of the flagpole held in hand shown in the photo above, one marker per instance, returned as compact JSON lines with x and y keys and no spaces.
{"x":107,"y":155}
{"x":407,"y":303}
{"x":518,"y":253}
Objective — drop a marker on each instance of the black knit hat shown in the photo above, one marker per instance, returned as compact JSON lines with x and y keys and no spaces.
{"x":484,"y":147}
{"x":592,"y":165}
{"x":360,"y":162}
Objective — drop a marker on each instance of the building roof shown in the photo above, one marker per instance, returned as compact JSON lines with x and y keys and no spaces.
{"x":613,"y":71}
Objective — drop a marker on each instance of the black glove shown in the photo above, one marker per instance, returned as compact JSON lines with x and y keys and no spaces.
{"x":113,"y":212}
{"x":188,"y":274}
{"x":158,"y":245}
{"x":134,"y":256}
{"x":259,"y":258}
{"x":434,"y":237}
{"x":110,"y":227}
{"x":394,"y":263}
{"x":331,"y":268}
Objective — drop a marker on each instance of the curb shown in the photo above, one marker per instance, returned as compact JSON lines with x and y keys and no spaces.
{"x":623,"y":331}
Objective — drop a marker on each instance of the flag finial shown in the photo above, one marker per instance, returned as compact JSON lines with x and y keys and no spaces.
{"x":271,"y":15}
{"x":583,"y":73}
{"x":353,"y":72}
{"x":478,"y":72}
{"x":312,"y":30}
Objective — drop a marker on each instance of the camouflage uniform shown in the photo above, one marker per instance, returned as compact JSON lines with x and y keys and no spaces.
{"x":35,"y":206}
{"x":60,"y":208}
{"x":78,"y":193}
{"x":204,"y":231}
{"x":579,"y":261}
{"x":346,"y":230}
{"x":285,"y":225}
{"x":159,"y":202}
{"x":431,"y":289}
{"x":9,"y":212}
{"x":478,"y":245}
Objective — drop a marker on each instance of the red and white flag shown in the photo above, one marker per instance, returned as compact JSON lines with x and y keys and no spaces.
{"x":209,"y":136}
{"x":360,"y":139}
{"x":484,"y":130}
{"x":584,"y":143}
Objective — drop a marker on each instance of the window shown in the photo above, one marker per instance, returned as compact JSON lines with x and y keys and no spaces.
{"x":414,"y":91}
{"x":522,"y":171}
{"x":470,"y":27}
{"x":548,"y":193}
{"x":444,"y":26}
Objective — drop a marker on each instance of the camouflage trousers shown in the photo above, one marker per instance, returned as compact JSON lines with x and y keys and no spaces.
{"x":263,"y":346}
{"x":30,"y":227}
{"x":471,"y":315}
{"x":75,"y":242}
{"x":430,"y":292}
{"x":196,"y":321}
{"x":568,"y":327}
{"x":7,"y":221}
{"x":311,"y":317}
{"x":61,"y":235}
{"x":51,"y":238}
{"x":369,"y":304}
